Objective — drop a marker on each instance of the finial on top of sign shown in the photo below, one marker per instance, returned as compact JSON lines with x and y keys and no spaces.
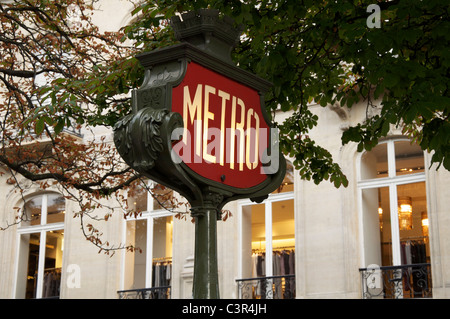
{"x":207,"y":30}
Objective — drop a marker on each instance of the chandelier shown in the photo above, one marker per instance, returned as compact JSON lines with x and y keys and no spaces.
{"x":405,"y":213}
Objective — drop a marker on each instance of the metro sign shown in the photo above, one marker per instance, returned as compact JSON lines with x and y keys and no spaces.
{"x":198,"y":123}
{"x":225,"y":133}
{"x":198,"y":126}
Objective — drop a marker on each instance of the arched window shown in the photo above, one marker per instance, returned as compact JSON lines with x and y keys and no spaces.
{"x":40,"y":247}
{"x":393,"y":204}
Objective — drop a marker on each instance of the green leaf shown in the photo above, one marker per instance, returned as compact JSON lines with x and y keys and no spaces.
{"x":40,"y":125}
{"x":59,"y":126}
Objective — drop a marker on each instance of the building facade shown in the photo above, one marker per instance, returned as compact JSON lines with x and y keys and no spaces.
{"x":386,"y":235}
{"x":383,"y":236}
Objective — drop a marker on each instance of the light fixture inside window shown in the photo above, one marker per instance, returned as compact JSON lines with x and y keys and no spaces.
{"x":380,"y":216}
{"x":425,"y":223}
{"x":405,"y":213}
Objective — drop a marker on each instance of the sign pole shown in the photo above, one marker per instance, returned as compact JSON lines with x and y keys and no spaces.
{"x":206,"y":215}
{"x":206,"y":281}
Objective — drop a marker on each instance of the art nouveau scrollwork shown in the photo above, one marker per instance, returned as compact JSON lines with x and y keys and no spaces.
{"x":140,"y":138}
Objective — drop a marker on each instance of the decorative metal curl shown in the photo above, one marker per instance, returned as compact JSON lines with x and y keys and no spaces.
{"x":138,"y":137}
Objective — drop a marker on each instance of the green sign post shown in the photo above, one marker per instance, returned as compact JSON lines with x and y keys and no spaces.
{"x":198,"y":126}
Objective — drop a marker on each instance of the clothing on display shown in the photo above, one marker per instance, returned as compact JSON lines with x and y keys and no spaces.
{"x":162,"y":272}
{"x":283,"y":263}
{"x":415,"y":280}
{"x":52,"y":281}
{"x":414,"y":252}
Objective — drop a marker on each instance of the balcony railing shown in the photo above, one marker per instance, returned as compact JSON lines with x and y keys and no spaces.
{"x":395,"y":282}
{"x":146,"y":293}
{"x":274,"y":287}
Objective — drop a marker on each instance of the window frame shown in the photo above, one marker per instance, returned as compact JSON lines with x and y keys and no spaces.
{"x":42,"y":229}
{"x":149,"y":215}
{"x":392,"y":181}
{"x":267,"y":224}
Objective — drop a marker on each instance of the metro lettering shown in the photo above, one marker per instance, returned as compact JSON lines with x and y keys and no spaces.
{"x":237,"y":141}
{"x":190,"y":108}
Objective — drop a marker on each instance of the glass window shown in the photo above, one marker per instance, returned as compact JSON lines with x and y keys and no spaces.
{"x":255,"y":223}
{"x":44,"y":209}
{"x":412,"y":208}
{"x":160,"y":197}
{"x":267,"y":228}
{"x":162,"y":238}
{"x":56,"y":206}
{"x":377,"y":226}
{"x":283,"y":226}
{"x":33,"y":210}
{"x":138,"y":199}
{"x":253,"y":239}
{"x":408,"y":158}
{"x":52,"y":264}
{"x":374,"y":164}
{"x":41,"y":247}
{"x":268,"y":247}
{"x":32,"y":241}
{"x":136,"y":262}
{"x":394,"y":209}
{"x":150,"y":266}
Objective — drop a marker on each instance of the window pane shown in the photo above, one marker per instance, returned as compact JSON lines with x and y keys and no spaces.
{"x":33,"y":209}
{"x":374,"y":164}
{"x":412,"y":210}
{"x":384,"y":216}
{"x":162,"y":197}
{"x":137,"y":199}
{"x":141,"y":200}
{"x":377,"y":226}
{"x":253,"y":240}
{"x":135,"y":262}
{"x":409,"y":158}
{"x":258,"y":240}
{"x":283,"y":248}
{"x":162,"y":237}
{"x":162,"y":251}
{"x":31,"y":241}
{"x":258,"y":230}
{"x":56,"y":206}
{"x":283,"y":227}
{"x":53,"y":263}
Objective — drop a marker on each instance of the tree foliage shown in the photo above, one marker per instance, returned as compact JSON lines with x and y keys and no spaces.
{"x":58,"y":71}
{"x":329,"y":52}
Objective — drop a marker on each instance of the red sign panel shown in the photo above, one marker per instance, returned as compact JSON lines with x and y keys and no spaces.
{"x":225,"y":133}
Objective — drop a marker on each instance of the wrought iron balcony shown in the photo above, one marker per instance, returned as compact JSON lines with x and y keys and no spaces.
{"x":274,"y":287}
{"x":395,"y":282}
{"x":146,"y":293}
